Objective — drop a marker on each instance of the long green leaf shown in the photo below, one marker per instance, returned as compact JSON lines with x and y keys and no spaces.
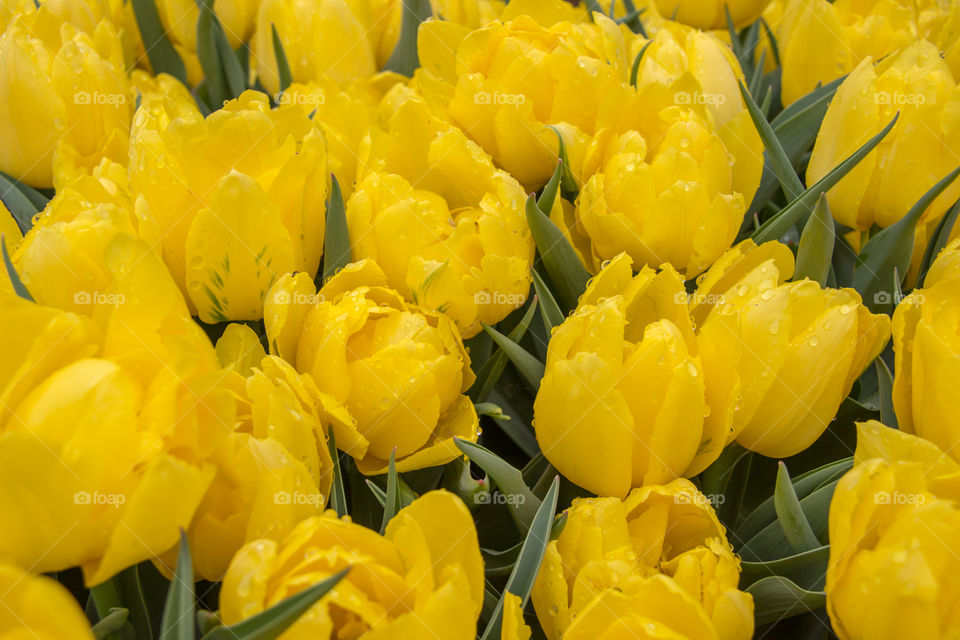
{"x":18,"y":287}
{"x":792,"y":186}
{"x":392,"y":504}
{"x":890,"y":250}
{"x":492,"y":369}
{"x":938,"y":240}
{"x":527,"y":566}
{"x":283,"y":65}
{"x":124,"y":591}
{"x":807,"y":569}
{"x":568,"y":184}
{"x":336,"y":244}
{"x":815,"y":252}
{"x":22,"y":201}
{"x":508,"y":479}
{"x":567,"y":273}
{"x":548,"y":195}
{"x":776,"y":598}
{"x":163,"y":57}
{"x":790,"y":515}
{"x":404,"y":59}
{"x":549,"y":309}
{"x":794,"y":212}
{"x":269,"y":624}
{"x":338,"y":497}
{"x":529,"y":367}
{"x":635,"y":67}
{"x":887,"y":414}
{"x":178,"y":610}
{"x":113,"y":626}
{"x":208,"y":52}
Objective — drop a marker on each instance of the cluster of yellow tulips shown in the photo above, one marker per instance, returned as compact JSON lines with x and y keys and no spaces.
{"x":493,"y":319}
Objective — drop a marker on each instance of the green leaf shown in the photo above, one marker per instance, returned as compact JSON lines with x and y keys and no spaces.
{"x":548,"y":195}
{"x":794,"y":212}
{"x":527,"y":566}
{"x":772,"y":39}
{"x":815,"y":253}
{"x":178,"y":610}
{"x":208,"y":53}
{"x":23,"y":201}
{"x":790,"y":515}
{"x":887,"y":415}
{"x":404,"y":58}
{"x":771,"y":541}
{"x":336,"y":244}
{"x":635,"y":68}
{"x":892,"y":249}
{"x":124,"y":591}
{"x":568,"y":184}
{"x":283,"y":66}
{"x":807,"y":569}
{"x":938,"y":240}
{"x":508,"y":479}
{"x":549,"y":309}
{"x":776,"y":598}
{"x":18,"y":287}
{"x":163,"y":57}
{"x":492,"y":369}
{"x":392,"y":504}
{"x":338,"y":497}
{"x":269,"y":624}
{"x":514,"y":426}
{"x":567,"y":273}
{"x":792,"y":186}
{"x":207,"y":621}
{"x":492,"y":410}
{"x":113,"y":626}
{"x":529,"y":367}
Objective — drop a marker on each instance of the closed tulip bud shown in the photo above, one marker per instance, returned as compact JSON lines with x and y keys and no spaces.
{"x":919,"y":151}
{"x":780,"y":357}
{"x":712,"y":14}
{"x":926,"y":340}
{"x":448,"y":228}
{"x":109,"y":422}
{"x":505,"y":84}
{"x":40,"y":608}
{"x":422,"y":579}
{"x":63,"y":91}
{"x":632,"y":204}
{"x":893,"y":523}
{"x":657,"y":563}
{"x":624,"y":385}
{"x":391,"y":375}
{"x":238,"y":197}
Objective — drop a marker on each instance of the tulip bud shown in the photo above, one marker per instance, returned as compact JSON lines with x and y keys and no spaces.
{"x":781,"y":357}
{"x":38,"y":607}
{"x":391,"y":375}
{"x":422,"y":579}
{"x":657,"y":563}
{"x":893,"y":523}
{"x":238,"y":197}
{"x":623,"y":385}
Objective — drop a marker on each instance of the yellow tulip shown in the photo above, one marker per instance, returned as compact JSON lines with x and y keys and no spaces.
{"x":108,"y":423}
{"x":893,"y":523}
{"x":448,"y":229}
{"x":504,"y":84}
{"x":622,"y":402}
{"x":927,"y":345}
{"x":655,"y":565}
{"x":779,"y":357}
{"x":919,"y":151}
{"x":422,"y":579}
{"x":39,"y":608}
{"x":712,"y":14}
{"x":63,"y":91}
{"x":238,"y":197}
{"x":391,"y":375}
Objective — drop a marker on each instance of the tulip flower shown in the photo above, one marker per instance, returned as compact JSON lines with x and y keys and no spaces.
{"x":422,"y":579}
{"x":238,"y":197}
{"x":918,"y":152}
{"x":712,"y":14}
{"x":40,"y":608}
{"x":63,"y":91}
{"x":893,"y":523}
{"x":779,"y":357}
{"x":624,"y":385}
{"x":925,"y":340}
{"x":656,"y":564}
{"x":390,"y":374}
{"x":447,"y":227}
